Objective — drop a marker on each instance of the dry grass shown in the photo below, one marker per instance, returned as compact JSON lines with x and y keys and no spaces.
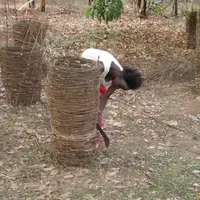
{"x":147,"y":159}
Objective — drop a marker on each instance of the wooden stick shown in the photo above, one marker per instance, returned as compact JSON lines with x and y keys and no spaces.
{"x":24,"y":5}
{"x":15,"y":10}
{"x":7,"y":32}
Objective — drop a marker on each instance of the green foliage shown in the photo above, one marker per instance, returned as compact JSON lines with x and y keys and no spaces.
{"x":6,"y":44}
{"x":107,"y":10}
{"x":156,"y":8}
{"x":185,"y":12}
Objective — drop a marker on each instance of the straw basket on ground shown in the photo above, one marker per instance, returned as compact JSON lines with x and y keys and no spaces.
{"x":21,"y":75}
{"x":73,"y":97}
{"x":27,"y":33}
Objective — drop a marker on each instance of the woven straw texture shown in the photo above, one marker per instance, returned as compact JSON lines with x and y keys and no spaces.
{"x":29,"y":33}
{"x":73,"y":96}
{"x":21,"y":75}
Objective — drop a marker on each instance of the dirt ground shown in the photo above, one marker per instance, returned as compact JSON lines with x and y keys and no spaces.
{"x":155,"y":131}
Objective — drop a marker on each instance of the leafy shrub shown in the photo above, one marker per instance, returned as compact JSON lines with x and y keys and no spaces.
{"x":156,"y":8}
{"x":107,"y":10}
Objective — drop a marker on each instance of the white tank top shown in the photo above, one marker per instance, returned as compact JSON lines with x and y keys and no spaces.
{"x":106,"y":58}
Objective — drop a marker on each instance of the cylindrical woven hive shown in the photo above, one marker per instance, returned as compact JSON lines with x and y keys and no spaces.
{"x":73,"y":97}
{"x":26,"y":33}
{"x":21,"y":75}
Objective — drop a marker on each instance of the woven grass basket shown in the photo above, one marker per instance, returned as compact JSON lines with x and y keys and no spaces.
{"x":27,"y":33}
{"x":21,"y":75}
{"x":73,"y":97}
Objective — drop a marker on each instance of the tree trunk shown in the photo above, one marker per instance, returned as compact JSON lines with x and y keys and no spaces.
{"x":32,"y":4}
{"x":191,"y":22}
{"x":139,"y":2}
{"x":176,"y":8}
{"x":197,"y":69}
{"x":144,"y":9}
{"x":90,"y":2}
{"x":42,"y":5}
{"x":142,"y":5}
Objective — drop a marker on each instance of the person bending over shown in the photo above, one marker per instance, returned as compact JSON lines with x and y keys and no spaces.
{"x":113,"y":76}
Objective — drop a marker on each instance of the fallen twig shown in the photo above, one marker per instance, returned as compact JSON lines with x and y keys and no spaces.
{"x":24,"y":5}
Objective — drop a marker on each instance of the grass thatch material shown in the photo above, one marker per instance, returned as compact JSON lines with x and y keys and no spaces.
{"x":21,"y":75}
{"x":73,"y":97}
{"x":27,"y":33}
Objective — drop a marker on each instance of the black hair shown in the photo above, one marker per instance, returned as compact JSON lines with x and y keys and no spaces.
{"x":133,"y":77}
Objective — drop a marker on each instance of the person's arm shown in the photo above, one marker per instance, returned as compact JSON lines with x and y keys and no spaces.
{"x":103,"y":100}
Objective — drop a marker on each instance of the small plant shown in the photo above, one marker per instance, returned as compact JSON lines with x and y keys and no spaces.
{"x":7,"y":44}
{"x":156,"y":8}
{"x":107,"y":10}
{"x":185,"y":12}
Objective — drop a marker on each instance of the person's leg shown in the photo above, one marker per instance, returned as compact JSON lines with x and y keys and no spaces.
{"x":102,"y":91}
{"x":99,"y":142}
